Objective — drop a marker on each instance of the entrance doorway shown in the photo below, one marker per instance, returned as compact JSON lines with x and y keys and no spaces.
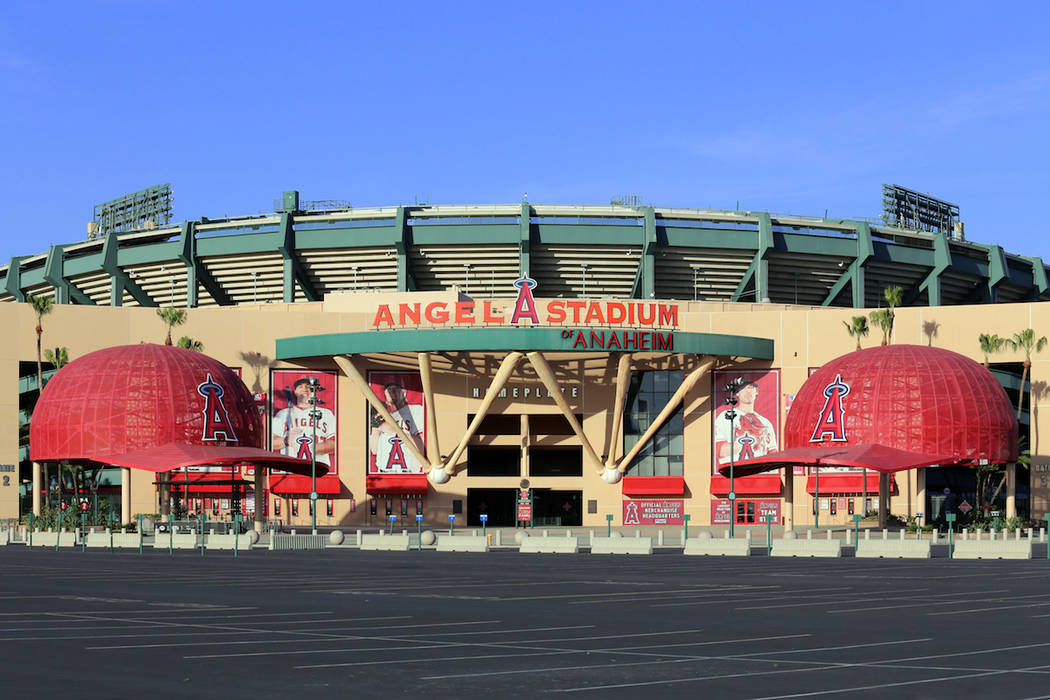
{"x":498,"y":504}
{"x":557,"y":508}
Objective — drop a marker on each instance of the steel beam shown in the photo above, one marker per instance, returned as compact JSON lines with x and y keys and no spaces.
{"x":406,"y":281}
{"x":119,"y":281}
{"x":524,"y":241}
{"x":294,"y":271}
{"x":13,"y":282}
{"x":854,"y":275}
{"x":197,"y":274}
{"x":931,"y":284}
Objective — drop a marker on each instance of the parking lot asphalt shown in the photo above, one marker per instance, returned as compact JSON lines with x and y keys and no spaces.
{"x":345,"y":623}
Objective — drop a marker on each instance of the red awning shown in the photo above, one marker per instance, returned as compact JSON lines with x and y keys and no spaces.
{"x":206,"y":483}
{"x":653,"y":485}
{"x":872,"y":456}
{"x":840,"y":482}
{"x":764,"y":484}
{"x":297,"y":483}
{"x":396,"y":483}
{"x":171,"y":455}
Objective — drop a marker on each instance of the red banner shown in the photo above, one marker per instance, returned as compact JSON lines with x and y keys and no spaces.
{"x":524,"y":511}
{"x":638,"y":512}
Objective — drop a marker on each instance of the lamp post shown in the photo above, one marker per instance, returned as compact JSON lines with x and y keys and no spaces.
{"x":315,"y":415}
{"x":731,"y":400}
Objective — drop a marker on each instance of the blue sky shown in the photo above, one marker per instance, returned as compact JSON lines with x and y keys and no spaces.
{"x":786,"y":107}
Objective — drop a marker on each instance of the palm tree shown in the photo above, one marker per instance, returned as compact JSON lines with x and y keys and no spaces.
{"x":1026,"y":342}
{"x":883,"y":318}
{"x":857,"y":328}
{"x":894,"y":296}
{"x":171,"y":317}
{"x":41,"y":307}
{"x":991,"y":343}
{"x":190,"y":344}
{"x":59,"y":357}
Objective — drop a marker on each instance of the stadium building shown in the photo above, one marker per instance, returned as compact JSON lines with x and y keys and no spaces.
{"x":471,"y":360}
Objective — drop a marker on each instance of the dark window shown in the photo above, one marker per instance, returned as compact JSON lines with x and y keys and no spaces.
{"x":493,"y":461}
{"x":647,"y":394}
{"x":498,"y":424}
{"x":592,"y":506}
{"x":560,"y":461}
{"x":551,"y":424}
{"x":457,"y":507}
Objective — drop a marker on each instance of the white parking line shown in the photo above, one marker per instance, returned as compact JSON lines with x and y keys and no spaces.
{"x":324,"y":637}
{"x":746,"y":640}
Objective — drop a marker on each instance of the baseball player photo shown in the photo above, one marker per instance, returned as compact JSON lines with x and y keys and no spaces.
{"x":292,"y":427}
{"x":754,"y":430}
{"x":402,"y":394}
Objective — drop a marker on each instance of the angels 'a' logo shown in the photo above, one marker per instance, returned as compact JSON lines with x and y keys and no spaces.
{"x":216,"y":419}
{"x":305,"y":442}
{"x":832,"y":420}
{"x":525,"y":305}
{"x":747,"y":447}
{"x":396,"y":460}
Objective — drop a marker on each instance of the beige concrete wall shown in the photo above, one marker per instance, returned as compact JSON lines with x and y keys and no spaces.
{"x":245,"y":337}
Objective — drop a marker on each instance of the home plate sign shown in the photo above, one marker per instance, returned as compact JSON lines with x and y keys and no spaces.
{"x":657,"y":512}
{"x":965,"y":507}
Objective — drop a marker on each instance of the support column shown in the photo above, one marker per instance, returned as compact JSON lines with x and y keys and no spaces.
{"x":920,"y":494}
{"x":546,"y":375}
{"x":427,"y":378}
{"x":260,"y":498}
{"x":37,"y":481}
{"x":361,"y":384}
{"x":672,"y":404}
{"x":789,"y":498}
{"x":884,"y":500}
{"x":125,"y":495}
{"x":623,"y":378}
{"x":1011,"y":490}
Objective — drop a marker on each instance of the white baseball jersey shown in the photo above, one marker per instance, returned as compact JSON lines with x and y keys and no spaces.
{"x":288,"y":419}
{"x":755,"y":436}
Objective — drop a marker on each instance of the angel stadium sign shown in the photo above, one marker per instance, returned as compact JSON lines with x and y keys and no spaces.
{"x":526,"y":312}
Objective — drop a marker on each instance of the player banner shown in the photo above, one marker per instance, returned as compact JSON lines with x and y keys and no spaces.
{"x":402,"y":392}
{"x":756,"y":428}
{"x":292,"y":429}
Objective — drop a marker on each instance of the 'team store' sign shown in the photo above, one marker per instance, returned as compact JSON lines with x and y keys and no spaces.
{"x":628,"y":314}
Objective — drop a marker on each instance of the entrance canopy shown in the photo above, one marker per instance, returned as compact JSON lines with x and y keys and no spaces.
{"x":878,"y":457}
{"x":163,"y":458}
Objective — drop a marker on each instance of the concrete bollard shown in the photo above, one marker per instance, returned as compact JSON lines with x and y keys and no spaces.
{"x":1017,"y":534}
{"x":660,"y":538}
{"x":885,"y":535}
{"x":934,"y":537}
{"x":568,"y":533}
{"x":829,"y":535}
{"x":902,"y":535}
{"x":358,"y":540}
{"x":544,"y":533}
{"x":849,"y":537}
{"x":497,"y":540}
{"x":725,"y":535}
{"x":809,"y":534}
{"x":638,"y":534}
{"x":1031,"y":534}
{"x":747,"y":536}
